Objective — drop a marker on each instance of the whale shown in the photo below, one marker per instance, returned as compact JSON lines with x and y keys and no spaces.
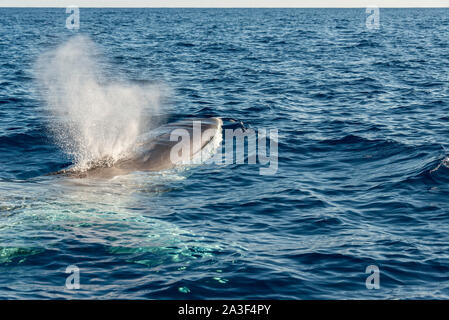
{"x":165,"y":148}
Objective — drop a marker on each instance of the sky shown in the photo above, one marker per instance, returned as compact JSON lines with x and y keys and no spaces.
{"x":224,"y":3}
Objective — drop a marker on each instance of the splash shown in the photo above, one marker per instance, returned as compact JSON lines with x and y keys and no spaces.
{"x":94,"y":120}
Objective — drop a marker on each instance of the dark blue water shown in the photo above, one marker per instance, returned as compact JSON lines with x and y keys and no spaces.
{"x":363,"y":163}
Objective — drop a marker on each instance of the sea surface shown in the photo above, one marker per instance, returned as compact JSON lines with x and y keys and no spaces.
{"x":363,"y":167}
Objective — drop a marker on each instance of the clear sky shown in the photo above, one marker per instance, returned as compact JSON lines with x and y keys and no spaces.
{"x":224,"y":3}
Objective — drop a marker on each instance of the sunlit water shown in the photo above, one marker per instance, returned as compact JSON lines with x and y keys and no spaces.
{"x":363,"y":171}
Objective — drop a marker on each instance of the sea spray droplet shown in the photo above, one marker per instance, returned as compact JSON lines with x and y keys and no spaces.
{"x":94,"y":118}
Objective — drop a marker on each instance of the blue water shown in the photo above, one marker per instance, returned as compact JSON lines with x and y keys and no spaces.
{"x":363,"y":162}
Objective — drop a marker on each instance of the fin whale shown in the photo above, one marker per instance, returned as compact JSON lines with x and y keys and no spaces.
{"x":155,"y":153}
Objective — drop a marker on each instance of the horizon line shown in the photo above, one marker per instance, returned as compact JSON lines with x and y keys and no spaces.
{"x":213,"y":7}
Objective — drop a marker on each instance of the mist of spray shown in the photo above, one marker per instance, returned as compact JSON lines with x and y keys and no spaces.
{"x":94,"y":120}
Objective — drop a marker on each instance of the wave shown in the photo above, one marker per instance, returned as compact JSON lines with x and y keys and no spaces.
{"x":358,"y":143}
{"x":434,"y":173}
{"x":22,"y":140}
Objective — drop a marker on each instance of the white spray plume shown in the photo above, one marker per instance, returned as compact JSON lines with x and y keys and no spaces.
{"x":93,"y":120}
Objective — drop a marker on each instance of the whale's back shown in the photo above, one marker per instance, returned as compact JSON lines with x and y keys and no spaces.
{"x":155,"y":152}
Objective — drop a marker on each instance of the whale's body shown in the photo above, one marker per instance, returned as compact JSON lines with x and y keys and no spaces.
{"x":155,"y":153}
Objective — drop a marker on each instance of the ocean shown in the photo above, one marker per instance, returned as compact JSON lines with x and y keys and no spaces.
{"x":357,"y":207}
